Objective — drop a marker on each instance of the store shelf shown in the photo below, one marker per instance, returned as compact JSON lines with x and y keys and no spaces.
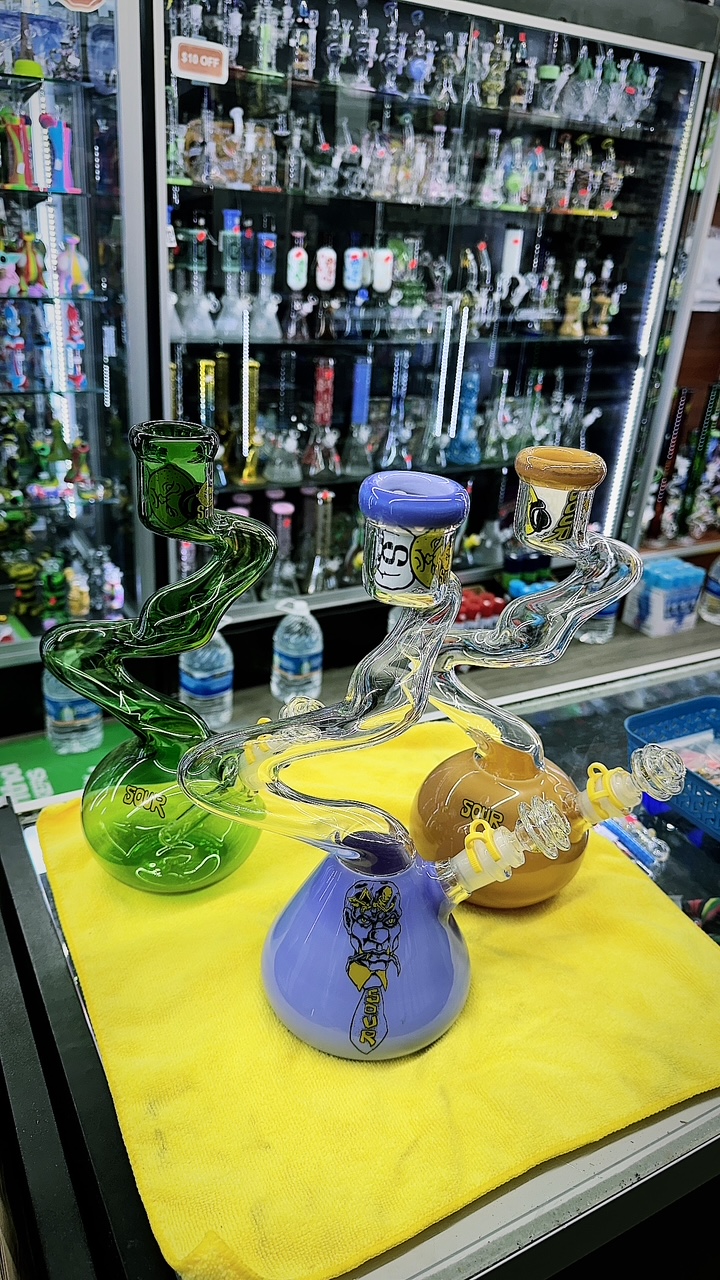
{"x":330,"y":482}
{"x":628,"y":653}
{"x":683,"y":550}
{"x":71,"y":392}
{"x":464,"y":213}
{"x":361,"y":343}
{"x":15,"y":83}
{"x":36,"y":194}
{"x":341,"y":597}
{"x":59,"y":297}
{"x":484,"y":115}
{"x":20,"y":653}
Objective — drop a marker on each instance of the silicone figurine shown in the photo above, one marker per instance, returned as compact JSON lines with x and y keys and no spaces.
{"x":507,"y":765}
{"x":134,"y":814}
{"x":18,"y":138}
{"x":366,"y":962}
{"x":10,"y":282}
{"x":13,"y":348}
{"x":74,"y":347}
{"x":60,"y":136}
{"x":31,"y":267}
{"x":73,"y":269}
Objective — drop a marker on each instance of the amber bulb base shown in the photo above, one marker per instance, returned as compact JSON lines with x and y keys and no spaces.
{"x":491,"y":783}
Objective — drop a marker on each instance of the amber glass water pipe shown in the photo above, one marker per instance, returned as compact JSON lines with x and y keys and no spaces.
{"x":507,"y":767}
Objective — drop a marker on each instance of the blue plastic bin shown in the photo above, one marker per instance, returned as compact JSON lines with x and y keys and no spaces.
{"x":699,"y":801}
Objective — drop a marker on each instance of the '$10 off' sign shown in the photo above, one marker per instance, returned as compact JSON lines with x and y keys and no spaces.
{"x":83,"y":6}
{"x":199,"y":60}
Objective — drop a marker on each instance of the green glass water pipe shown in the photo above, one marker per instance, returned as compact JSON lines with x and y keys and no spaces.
{"x":134,"y":814}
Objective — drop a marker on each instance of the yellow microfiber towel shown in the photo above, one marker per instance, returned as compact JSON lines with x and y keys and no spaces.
{"x":256,"y":1156}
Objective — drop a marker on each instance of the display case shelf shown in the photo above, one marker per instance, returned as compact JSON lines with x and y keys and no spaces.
{"x":359,"y":344}
{"x":67,"y":392}
{"x":709,"y":545}
{"x":36,"y":194}
{"x":248,"y":81}
{"x":466,"y":213}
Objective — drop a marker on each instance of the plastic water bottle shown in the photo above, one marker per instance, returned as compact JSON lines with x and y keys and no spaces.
{"x":72,"y":723}
{"x":206,"y":681}
{"x":297,"y":653}
{"x":709,"y":605}
{"x":601,"y":627}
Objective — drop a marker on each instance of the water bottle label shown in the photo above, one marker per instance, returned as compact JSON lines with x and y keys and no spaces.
{"x":296,"y":666}
{"x":206,"y":686}
{"x":712,"y":588}
{"x":680,"y":605}
{"x":71,"y":710}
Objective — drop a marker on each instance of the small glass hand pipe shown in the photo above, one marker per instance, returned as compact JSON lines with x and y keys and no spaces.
{"x":508,"y":763}
{"x":366,"y":962}
{"x":136,"y":819}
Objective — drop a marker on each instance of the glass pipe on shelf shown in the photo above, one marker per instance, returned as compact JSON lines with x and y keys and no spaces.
{"x":395,"y":290}
{"x":511,"y":422}
{"x":399,"y":61}
{"x":532,"y":300}
{"x":600,"y":89}
{"x":518,"y":177}
{"x":321,"y":460}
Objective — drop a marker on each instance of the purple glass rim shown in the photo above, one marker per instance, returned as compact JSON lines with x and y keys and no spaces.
{"x":413,"y":500}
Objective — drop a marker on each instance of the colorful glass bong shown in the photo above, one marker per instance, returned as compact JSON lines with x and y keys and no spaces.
{"x":135,"y":817}
{"x":367,"y":961}
{"x":507,"y":766}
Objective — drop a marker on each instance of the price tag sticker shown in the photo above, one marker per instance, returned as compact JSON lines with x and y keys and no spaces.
{"x":170,"y":237}
{"x":109,"y":335}
{"x":200,"y":60}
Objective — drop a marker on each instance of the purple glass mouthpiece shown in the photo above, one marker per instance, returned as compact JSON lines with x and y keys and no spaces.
{"x":413,"y":500}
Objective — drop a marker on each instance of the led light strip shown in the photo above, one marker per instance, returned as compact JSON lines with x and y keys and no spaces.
{"x":464,"y":318}
{"x":442,"y":379}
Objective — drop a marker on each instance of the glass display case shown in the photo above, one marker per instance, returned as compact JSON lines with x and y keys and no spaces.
{"x":68,"y":544}
{"x":402,"y":237}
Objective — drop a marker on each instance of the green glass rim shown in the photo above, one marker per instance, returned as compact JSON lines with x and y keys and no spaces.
{"x":170,"y":432}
